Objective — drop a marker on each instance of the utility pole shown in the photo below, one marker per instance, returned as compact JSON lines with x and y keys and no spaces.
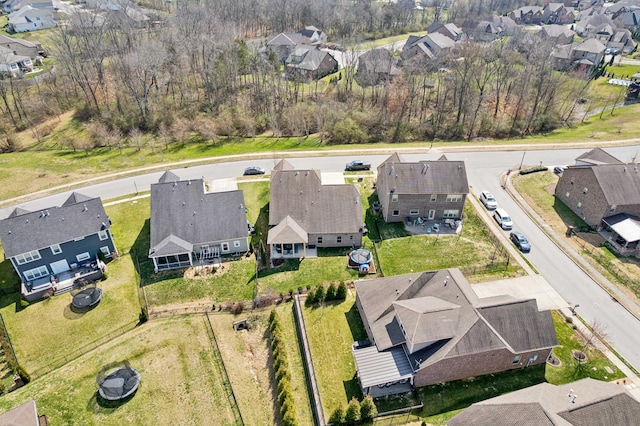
{"x":522,"y":161}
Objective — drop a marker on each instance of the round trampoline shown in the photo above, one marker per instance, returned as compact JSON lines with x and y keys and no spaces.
{"x":361,"y":256}
{"x":115,"y":384}
{"x":86,"y":296}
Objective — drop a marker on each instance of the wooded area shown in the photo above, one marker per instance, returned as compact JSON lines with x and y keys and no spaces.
{"x":196,"y":73}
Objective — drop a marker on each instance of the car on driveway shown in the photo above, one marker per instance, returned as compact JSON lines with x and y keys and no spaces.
{"x":520,"y":241}
{"x":558,"y":170}
{"x":253,"y":170}
{"x":488,"y":200}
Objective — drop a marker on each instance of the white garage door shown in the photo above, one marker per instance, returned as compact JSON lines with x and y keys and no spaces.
{"x":59,"y":266}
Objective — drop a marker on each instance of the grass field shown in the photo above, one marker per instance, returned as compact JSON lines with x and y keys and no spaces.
{"x":332,"y":329}
{"x":181,"y":383}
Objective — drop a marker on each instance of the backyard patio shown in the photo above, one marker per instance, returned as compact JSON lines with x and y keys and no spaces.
{"x":421,"y":225}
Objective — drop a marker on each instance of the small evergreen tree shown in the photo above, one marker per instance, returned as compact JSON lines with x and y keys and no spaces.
{"x":331,"y":292}
{"x":352,"y":415}
{"x":337,"y":417}
{"x":368,"y":408}
{"x":319,"y":294}
{"x":341,"y":291}
{"x":311,"y":298}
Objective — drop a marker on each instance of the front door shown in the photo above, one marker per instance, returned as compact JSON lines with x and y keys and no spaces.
{"x":432,"y":214}
{"x":59,"y":266}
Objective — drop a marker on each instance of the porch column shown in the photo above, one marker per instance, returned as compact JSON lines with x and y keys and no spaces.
{"x":155,"y":264}
{"x":190,"y":259}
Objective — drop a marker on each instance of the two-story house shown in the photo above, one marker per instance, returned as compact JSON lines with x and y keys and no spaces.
{"x":430,"y":327}
{"x":605,"y":193}
{"x":433,"y":190}
{"x":305,"y":214}
{"x":50,"y":248}
{"x":190,"y":226}
{"x":527,"y":15}
{"x":427,"y":47}
{"x":309,"y":62}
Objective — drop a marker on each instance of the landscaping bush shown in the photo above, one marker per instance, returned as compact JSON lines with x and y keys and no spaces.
{"x":352,"y":415}
{"x":533,"y":170}
{"x":337,"y":417}
{"x":331,"y":292}
{"x":341,"y":291}
{"x":368,"y":408}
{"x":319,"y":293}
{"x":237,"y":308}
{"x":311,"y":298}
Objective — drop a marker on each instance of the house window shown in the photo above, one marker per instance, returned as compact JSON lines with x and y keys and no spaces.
{"x":454,"y":198}
{"x":339,"y":239}
{"x":585,"y":190}
{"x":35,"y":273}
{"x":225,"y":247}
{"x":28,"y":257}
{"x":319,"y":240}
{"x":612,"y":208}
{"x":236,"y":243}
{"x":55,"y":249}
{"x":579,"y":206}
{"x":414,"y":212}
{"x":351,"y":237}
{"x":451,"y":213}
{"x":83,"y":256}
{"x":434,"y":198}
{"x":394,"y":198}
{"x":567,"y":194}
{"x":516,"y":359}
{"x":105,"y":250}
{"x":103,"y":235}
{"x":395,"y":213}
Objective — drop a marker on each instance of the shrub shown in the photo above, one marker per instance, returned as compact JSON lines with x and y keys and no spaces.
{"x":26,"y":378}
{"x":533,"y":170}
{"x":319,"y":293}
{"x":337,"y":417}
{"x":368,"y":408}
{"x":283,"y":374}
{"x":341,"y":291}
{"x":237,"y":308}
{"x":311,"y":298}
{"x":289,"y":419}
{"x":352,"y":415}
{"x":331,"y":292}
{"x":273,"y":317}
{"x":23,"y":303}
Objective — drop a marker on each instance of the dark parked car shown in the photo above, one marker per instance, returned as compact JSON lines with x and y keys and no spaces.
{"x":520,"y":241}
{"x":357,"y":165}
{"x":253,"y":170}
{"x":558,"y":170}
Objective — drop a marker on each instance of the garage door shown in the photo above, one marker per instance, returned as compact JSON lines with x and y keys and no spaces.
{"x":59,"y":266}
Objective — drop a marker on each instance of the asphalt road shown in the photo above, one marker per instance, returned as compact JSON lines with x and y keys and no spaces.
{"x":483,"y":169}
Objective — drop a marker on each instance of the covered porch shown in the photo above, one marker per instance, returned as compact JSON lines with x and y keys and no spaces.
{"x":62,"y":281}
{"x":382,"y":373}
{"x":622,"y":232}
{"x":287,"y":240}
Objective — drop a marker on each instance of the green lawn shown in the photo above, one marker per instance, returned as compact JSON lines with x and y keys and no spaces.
{"x":472,"y":248}
{"x":298,"y":378}
{"x":180,"y":380}
{"x":331,"y":330}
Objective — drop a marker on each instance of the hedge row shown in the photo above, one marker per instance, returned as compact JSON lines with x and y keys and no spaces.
{"x":320,"y":294}
{"x":533,"y":170}
{"x":282,"y":373}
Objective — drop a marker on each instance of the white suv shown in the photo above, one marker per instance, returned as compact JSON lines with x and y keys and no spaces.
{"x":487,"y":199}
{"x":503,"y":219}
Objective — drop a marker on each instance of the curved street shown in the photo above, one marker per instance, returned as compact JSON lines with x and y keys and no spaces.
{"x":484,"y":170}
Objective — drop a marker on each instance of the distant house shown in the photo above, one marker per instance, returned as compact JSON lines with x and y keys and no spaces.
{"x":527,"y":15}
{"x":431,"y":189}
{"x":430,"y":327}
{"x":605,"y":193}
{"x":450,"y":30}
{"x":14,"y":65}
{"x":284,"y":44}
{"x":376,"y":66}
{"x":55,"y":244}
{"x":426,"y":48}
{"x":621,"y":41}
{"x":190,"y":226}
{"x":494,"y":27}
{"x":313,"y":35}
{"x":310,"y":63}
{"x":590,"y":25}
{"x":305,"y":214}
{"x":557,"y":13}
{"x":22,"y":47}
{"x":29,"y":18}
{"x":15,"y":5}
{"x":588,"y":54}
{"x":558,"y":33}
{"x":587,"y":402}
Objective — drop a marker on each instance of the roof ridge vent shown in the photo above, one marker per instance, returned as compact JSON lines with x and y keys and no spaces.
{"x":84,"y":207}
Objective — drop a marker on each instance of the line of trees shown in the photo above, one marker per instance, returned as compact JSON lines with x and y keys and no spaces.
{"x":195,"y":76}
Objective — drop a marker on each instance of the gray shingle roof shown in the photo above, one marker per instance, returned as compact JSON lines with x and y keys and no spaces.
{"x":317,"y":208}
{"x":598,"y":156}
{"x":424,"y":177}
{"x":78,"y":217}
{"x":619,"y":183}
{"x":182,"y":209}
{"x":440,"y":306}
{"x":595,"y":403}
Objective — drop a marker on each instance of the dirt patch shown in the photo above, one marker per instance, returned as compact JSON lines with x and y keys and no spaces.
{"x":31,"y":135}
{"x":204,"y":272}
{"x":593,"y":239}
